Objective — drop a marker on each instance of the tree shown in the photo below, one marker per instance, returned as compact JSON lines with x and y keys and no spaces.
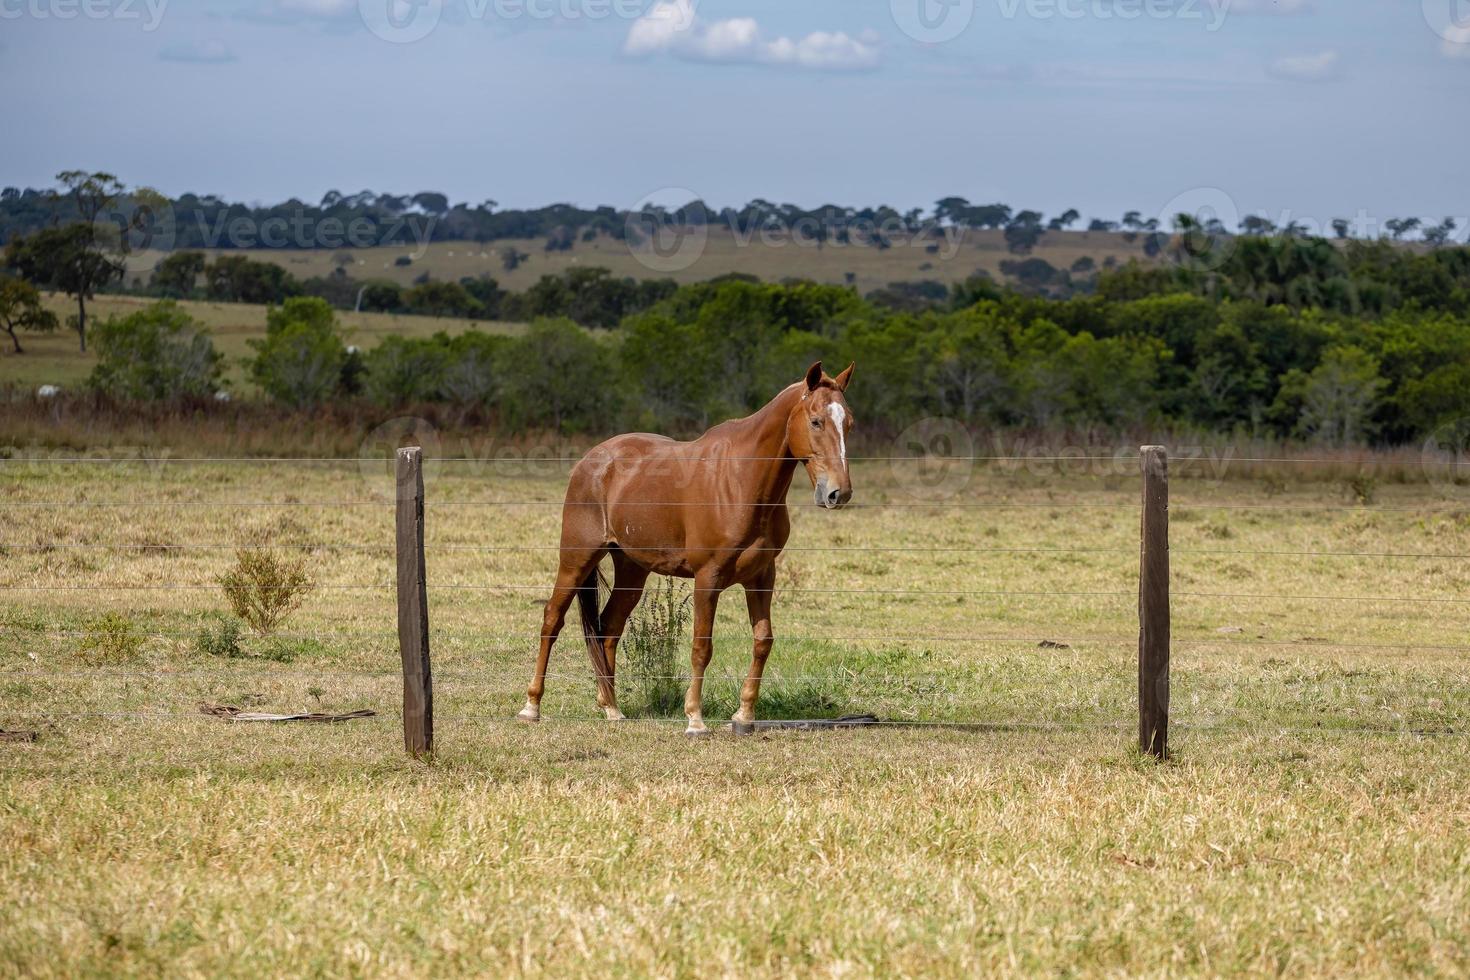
{"x":1399,"y":227}
{"x":1257,"y":224}
{"x":437,"y":298}
{"x":156,"y":354}
{"x":1437,"y":235}
{"x":1061,"y":221}
{"x":1098,"y":224}
{"x":381,"y":296}
{"x":1341,"y":227}
{"x":66,"y":259}
{"x":1335,"y":402}
{"x":177,"y":275}
{"x":1024,"y":232}
{"x":21,"y":309}
{"x":557,"y":375}
{"x":300,"y":361}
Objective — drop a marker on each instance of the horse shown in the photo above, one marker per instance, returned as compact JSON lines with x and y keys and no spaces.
{"x":713,"y":509}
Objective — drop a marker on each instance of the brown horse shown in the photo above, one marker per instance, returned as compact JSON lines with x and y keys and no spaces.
{"x":713,"y":510}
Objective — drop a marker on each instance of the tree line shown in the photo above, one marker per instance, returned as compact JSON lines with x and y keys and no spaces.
{"x":368,"y":218}
{"x":1119,"y":359}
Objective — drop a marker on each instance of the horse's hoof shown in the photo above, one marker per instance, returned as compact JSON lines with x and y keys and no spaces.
{"x":692,"y":732}
{"x":742,"y":727}
{"x":613,"y":714}
{"x":529,"y":713}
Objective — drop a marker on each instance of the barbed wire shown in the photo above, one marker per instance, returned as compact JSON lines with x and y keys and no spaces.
{"x":819,"y":549}
{"x":1258,"y":729}
{"x":391,"y":633}
{"x":1215,"y":458}
{"x":784,"y":590}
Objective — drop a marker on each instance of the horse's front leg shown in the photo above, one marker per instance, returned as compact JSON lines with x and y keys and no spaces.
{"x":706,"y":599}
{"x":758,"y":594}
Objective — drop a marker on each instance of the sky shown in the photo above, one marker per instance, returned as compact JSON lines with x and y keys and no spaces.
{"x":1299,"y":109}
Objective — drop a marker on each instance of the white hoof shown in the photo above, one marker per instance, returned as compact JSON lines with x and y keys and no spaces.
{"x":696,"y":727}
{"x":613,"y":714}
{"x":531,"y":712}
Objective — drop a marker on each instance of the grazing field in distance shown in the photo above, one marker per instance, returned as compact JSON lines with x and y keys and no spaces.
{"x":1315,"y":818}
{"x":56,"y":358}
{"x":723,"y":253}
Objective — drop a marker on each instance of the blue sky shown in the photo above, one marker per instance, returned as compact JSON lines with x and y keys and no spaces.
{"x":1300,"y":108}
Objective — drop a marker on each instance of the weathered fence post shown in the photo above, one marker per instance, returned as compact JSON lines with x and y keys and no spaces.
{"x":413,"y":605}
{"x":1153,"y":605}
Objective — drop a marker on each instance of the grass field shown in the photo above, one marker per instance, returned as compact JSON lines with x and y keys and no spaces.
{"x":1283,"y":838}
{"x":57,"y":358}
{"x":723,"y":252}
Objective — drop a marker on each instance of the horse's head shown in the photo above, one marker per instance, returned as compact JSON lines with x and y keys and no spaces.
{"x":817,"y":432}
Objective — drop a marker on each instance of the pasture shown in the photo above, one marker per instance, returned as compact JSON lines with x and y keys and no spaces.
{"x":723,"y":252}
{"x":56,"y":358}
{"x":1314,"y":818}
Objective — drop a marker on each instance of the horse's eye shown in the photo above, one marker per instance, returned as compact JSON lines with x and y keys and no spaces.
{"x":816,"y":423}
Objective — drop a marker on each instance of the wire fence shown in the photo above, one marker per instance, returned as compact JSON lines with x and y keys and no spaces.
{"x":23,"y":624}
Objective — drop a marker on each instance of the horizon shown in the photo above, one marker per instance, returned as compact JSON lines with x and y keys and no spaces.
{"x":1282,"y":107}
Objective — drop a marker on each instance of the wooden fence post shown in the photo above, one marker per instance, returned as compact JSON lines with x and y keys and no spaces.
{"x":1153,"y":605}
{"x":413,"y":605}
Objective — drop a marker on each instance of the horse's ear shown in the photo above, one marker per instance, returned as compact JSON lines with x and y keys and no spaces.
{"x":814,"y":376}
{"x":842,"y":379}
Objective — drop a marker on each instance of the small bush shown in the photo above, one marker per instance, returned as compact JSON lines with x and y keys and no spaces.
{"x":109,"y":639}
{"x":221,"y":638}
{"x":264,"y":587}
{"x":650,"y":650}
{"x":1362,"y":489}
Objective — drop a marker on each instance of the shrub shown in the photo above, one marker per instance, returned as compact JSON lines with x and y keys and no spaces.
{"x":557,"y":375}
{"x":264,"y":587}
{"x":156,"y":354}
{"x":472,"y":374}
{"x":300,"y":361}
{"x":404,"y":369}
{"x":650,"y":650}
{"x":220,"y":638}
{"x":109,"y":639}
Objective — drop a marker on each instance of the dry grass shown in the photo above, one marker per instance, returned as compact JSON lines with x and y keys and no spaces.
{"x":142,"y":837}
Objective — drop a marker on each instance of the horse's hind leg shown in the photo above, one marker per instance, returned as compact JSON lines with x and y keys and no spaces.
{"x":575,"y":565}
{"x":628,"y":580}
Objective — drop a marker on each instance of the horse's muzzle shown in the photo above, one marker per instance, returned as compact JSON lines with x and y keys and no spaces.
{"x":831,"y":498}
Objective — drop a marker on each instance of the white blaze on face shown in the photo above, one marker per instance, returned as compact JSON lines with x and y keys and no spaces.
{"x":839,"y":415}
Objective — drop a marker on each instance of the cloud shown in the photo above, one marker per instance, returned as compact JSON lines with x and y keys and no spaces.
{"x":1305,"y":67}
{"x":210,"y":52}
{"x":671,"y":27}
{"x":1456,"y":43}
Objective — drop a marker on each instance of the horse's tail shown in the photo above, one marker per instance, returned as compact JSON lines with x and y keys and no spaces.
{"x":587,"y":595}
